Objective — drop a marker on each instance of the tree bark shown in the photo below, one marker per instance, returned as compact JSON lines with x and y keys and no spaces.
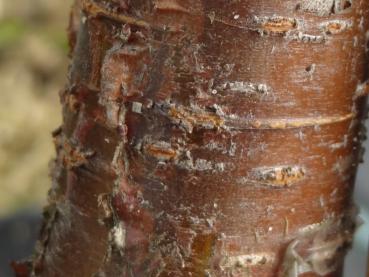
{"x":208,"y":138}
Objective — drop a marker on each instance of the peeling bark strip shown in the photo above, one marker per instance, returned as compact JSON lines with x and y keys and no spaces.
{"x":326,"y":7}
{"x":207,"y":138}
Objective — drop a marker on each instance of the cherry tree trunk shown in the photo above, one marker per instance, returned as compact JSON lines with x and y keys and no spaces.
{"x":208,"y":138}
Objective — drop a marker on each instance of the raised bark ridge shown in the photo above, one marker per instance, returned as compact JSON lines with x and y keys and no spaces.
{"x":208,"y":138}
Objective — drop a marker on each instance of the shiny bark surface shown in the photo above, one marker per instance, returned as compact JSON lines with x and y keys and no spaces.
{"x":208,"y":138}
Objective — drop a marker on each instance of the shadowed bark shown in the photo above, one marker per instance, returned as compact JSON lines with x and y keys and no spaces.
{"x":208,"y":138}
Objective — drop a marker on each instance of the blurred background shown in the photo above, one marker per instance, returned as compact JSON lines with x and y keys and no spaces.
{"x":33,"y":66}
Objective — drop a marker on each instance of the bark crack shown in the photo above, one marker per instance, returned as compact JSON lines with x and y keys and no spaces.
{"x":95,"y":10}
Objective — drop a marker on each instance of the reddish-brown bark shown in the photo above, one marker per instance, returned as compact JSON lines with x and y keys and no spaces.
{"x":208,"y":138}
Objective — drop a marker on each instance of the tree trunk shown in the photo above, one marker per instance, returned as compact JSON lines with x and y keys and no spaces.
{"x":208,"y":138}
